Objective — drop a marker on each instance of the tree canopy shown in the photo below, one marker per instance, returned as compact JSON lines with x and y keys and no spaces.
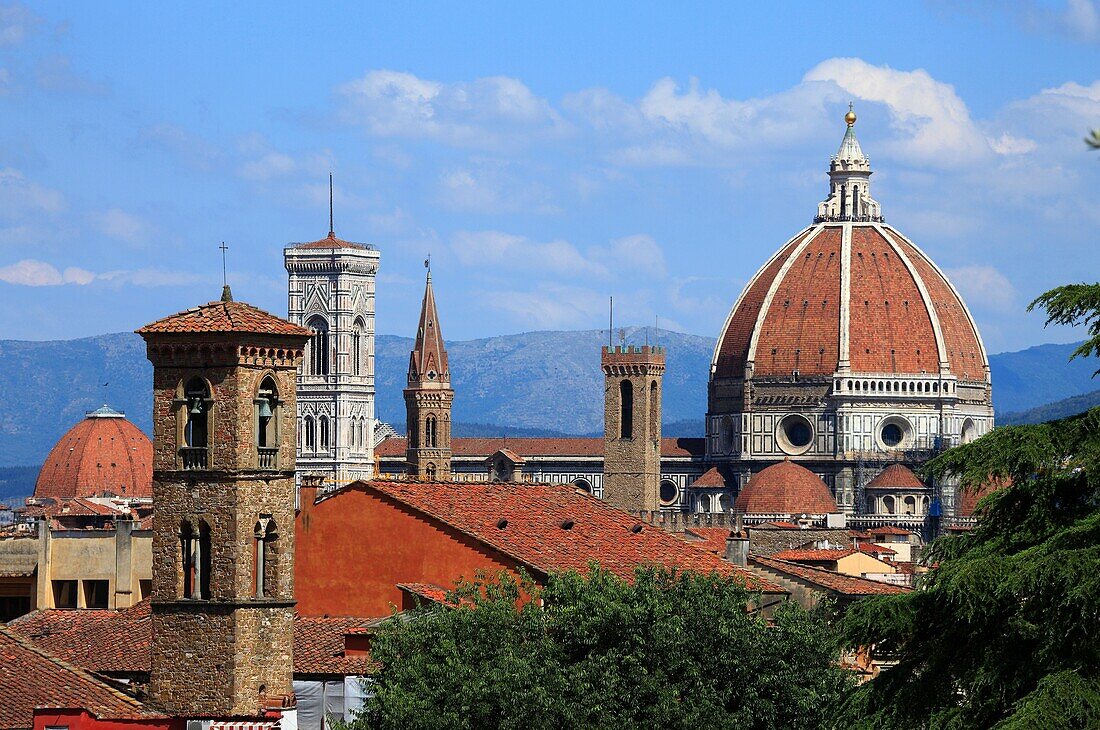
{"x":664,"y":650}
{"x":1005,"y":631}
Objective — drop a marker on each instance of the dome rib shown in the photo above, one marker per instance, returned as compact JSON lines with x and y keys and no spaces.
{"x":929,"y":305}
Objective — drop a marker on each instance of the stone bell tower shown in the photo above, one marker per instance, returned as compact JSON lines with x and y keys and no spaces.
{"x":428,"y":397}
{"x":223,"y":530}
{"x":632,"y":426}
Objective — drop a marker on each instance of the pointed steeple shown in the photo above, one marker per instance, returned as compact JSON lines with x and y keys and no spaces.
{"x":849,"y":182}
{"x":428,"y":360}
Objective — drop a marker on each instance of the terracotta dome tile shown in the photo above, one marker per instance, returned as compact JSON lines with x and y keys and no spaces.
{"x":102,"y":453}
{"x":785,"y":488}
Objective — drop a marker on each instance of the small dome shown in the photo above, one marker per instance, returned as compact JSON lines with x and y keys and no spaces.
{"x":896,"y":476}
{"x":102,"y":453}
{"x":785,"y":488}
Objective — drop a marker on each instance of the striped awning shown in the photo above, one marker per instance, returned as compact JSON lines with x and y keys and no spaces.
{"x":246,"y":725}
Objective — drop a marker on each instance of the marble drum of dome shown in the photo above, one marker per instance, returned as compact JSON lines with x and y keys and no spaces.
{"x":848,"y":344}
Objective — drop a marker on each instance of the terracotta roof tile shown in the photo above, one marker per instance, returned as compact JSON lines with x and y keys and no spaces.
{"x":873,"y":549}
{"x":896,"y":476}
{"x":785,"y":488}
{"x":969,"y":498}
{"x":534,"y":447}
{"x":224,"y":317}
{"x":331,"y":241}
{"x":31,"y":678}
{"x":888,"y":530}
{"x":847,"y":585}
{"x":550,"y":527}
{"x":712,"y":477}
{"x":711,"y":539}
{"x":118,"y":642}
{"x":98,"y":454}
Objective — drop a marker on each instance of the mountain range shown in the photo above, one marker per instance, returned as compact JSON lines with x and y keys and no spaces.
{"x":536,"y":383}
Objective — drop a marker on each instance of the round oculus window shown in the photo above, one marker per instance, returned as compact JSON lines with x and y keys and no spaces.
{"x":669,"y":492}
{"x":795,"y":434}
{"x":892,"y":434}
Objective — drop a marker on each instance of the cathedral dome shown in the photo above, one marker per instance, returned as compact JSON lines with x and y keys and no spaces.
{"x":785,"y":489}
{"x":896,"y":476}
{"x":102,"y":453}
{"x":850,"y":294}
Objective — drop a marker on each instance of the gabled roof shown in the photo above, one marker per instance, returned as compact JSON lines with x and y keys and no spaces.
{"x":711,"y":539}
{"x":896,"y":476}
{"x":847,"y":585}
{"x":710,"y":478}
{"x":872,"y":549}
{"x":535,"y":447}
{"x":31,"y":678}
{"x":549,"y":527}
{"x":119,"y":642}
{"x":224,"y":317}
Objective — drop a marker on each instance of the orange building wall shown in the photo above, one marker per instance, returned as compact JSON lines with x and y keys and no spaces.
{"x":354,"y":548}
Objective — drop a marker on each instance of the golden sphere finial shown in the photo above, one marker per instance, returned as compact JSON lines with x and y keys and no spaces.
{"x":850,"y":117}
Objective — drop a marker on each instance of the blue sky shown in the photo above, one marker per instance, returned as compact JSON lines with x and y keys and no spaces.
{"x":545,"y":158}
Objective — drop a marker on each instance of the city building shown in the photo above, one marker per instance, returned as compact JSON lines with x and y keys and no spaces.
{"x":331,"y":293}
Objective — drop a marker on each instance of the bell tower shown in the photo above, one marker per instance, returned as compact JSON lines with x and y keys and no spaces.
{"x":428,"y":397}
{"x":633,"y":379}
{"x":223,"y":530}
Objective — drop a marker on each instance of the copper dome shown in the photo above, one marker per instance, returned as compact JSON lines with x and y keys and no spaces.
{"x":104,"y":453}
{"x":785,"y":489}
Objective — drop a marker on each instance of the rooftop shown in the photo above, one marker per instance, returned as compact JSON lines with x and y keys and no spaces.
{"x":224,"y":317}
{"x":534,"y":447}
{"x":550,"y":527}
{"x":843,"y":584}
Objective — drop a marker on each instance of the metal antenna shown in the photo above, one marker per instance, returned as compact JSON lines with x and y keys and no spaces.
{"x":611,"y":321}
{"x":331,"y":227}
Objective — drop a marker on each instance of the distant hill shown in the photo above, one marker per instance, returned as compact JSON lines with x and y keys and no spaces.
{"x":537,"y":383}
{"x":1049,"y":412}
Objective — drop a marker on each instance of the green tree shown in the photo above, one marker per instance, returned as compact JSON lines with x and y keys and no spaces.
{"x":1005,"y":631}
{"x":664,"y":650}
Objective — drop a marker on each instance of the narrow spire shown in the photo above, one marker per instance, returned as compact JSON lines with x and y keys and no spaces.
{"x":428,"y":360}
{"x":331,"y":227}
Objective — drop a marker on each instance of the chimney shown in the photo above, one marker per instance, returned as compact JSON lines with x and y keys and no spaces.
{"x":737,"y":545}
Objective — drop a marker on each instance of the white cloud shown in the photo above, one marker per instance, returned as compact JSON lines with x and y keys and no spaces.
{"x":117,"y":223}
{"x":1007,"y":144}
{"x":55,"y":73}
{"x":502,"y":250}
{"x":483,"y":113}
{"x":16,"y":23}
{"x":19,"y":197}
{"x":633,"y":253}
{"x":984,"y":287}
{"x":263,"y":163}
{"x":492,"y":187}
{"x":1082,"y":19}
{"x":31,"y":272}
{"x":267,"y":166}
{"x":192,"y":149}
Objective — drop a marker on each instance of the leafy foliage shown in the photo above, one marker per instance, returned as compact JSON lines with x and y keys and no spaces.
{"x":1006,"y":629}
{"x":1075,"y":304}
{"x":666,"y":650}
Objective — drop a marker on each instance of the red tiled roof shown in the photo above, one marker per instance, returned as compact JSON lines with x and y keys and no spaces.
{"x":224,"y":317}
{"x":890,"y":326}
{"x":550,"y":527}
{"x":778,"y":525}
{"x":873,"y":549}
{"x":785,"y":488}
{"x":31,"y":678}
{"x":710,"y":478}
{"x":534,"y":447}
{"x":847,"y":585}
{"x":331,"y":241}
{"x":118,"y":642}
{"x":98,"y":454}
{"x":896,"y":476}
{"x":711,"y":539}
{"x":433,"y":593}
{"x":829,"y":555}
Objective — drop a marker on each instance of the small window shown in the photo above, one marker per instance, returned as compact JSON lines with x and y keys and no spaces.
{"x":145,"y":589}
{"x":309,"y":434}
{"x":430,"y":471}
{"x":318,"y":355}
{"x":64,"y":594}
{"x":95,"y":593}
{"x":430,"y":435}
{"x":322,"y":429}
{"x":626,"y":409}
{"x":669,"y":492}
{"x":892,"y":434}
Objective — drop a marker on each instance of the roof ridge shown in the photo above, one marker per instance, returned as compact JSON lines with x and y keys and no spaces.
{"x":814,"y":568}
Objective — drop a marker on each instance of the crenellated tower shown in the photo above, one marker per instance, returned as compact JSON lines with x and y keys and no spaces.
{"x":428,"y":397}
{"x":633,"y":379}
{"x":223,"y":530}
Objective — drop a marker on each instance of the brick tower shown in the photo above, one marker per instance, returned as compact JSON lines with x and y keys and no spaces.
{"x":223,"y":530}
{"x":632,"y":426}
{"x":428,"y":397}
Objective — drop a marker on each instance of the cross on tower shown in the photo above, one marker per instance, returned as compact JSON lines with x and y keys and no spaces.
{"x":224,"y":248}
